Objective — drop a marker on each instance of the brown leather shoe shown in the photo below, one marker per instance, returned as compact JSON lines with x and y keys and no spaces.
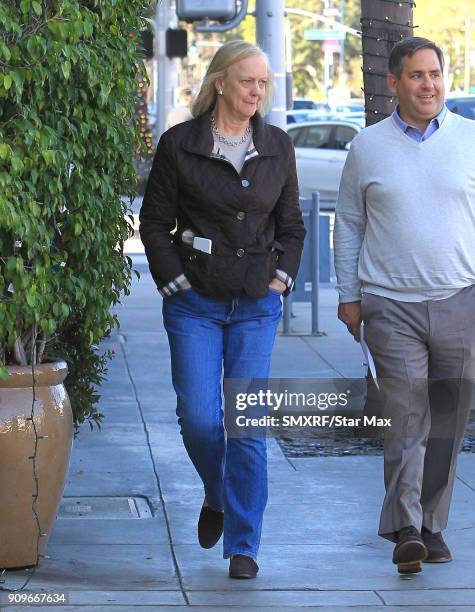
{"x":410,"y":550}
{"x":438,"y":551}
{"x":242,"y":566}
{"x":210,"y":526}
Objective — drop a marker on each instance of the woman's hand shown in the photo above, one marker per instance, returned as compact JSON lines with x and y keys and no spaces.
{"x":277,"y":285}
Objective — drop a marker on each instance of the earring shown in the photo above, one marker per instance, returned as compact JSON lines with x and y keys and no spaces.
{"x":220,"y":91}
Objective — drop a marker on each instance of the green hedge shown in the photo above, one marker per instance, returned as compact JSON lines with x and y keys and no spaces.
{"x":68,"y":136}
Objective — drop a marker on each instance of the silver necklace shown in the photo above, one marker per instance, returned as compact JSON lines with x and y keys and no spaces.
{"x":224,"y":140}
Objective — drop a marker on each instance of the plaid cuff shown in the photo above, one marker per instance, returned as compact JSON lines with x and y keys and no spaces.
{"x":180,"y":282}
{"x":285,"y":278}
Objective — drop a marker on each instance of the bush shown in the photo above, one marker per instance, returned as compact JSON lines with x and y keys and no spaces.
{"x":68,"y":136}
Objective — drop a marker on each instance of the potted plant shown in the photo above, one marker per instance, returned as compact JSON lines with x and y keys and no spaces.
{"x":67,"y":141}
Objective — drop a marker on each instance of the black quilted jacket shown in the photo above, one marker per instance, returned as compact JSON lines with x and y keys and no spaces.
{"x":253,"y":218}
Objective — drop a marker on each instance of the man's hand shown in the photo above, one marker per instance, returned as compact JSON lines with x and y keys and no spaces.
{"x":350,"y":314}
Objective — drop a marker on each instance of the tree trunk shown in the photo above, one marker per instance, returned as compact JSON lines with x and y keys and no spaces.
{"x":383,"y":23}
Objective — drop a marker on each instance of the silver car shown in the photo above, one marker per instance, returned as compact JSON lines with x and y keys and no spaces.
{"x":321,"y":148}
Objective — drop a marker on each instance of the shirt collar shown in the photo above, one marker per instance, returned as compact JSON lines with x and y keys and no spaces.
{"x":199,"y":138}
{"x":436,"y":121}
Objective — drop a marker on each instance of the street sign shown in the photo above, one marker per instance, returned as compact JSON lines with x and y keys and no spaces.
{"x":318,"y":34}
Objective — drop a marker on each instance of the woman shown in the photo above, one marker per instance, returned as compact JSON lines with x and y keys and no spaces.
{"x":227,"y":182}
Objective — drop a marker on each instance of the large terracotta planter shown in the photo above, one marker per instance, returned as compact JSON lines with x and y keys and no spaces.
{"x":52,"y":418}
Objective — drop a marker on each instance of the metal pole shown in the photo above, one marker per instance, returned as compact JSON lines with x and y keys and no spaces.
{"x":315,"y":260}
{"x":162,"y":66}
{"x":288,"y":65}
{"x":341,"y":71}
{"x":167,"y":69}
{"x":173,"y":64}
{"x":287,"y":313}
{"x":270,"y":35}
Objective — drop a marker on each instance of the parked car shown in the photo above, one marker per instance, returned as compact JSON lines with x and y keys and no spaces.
{"x":307,"y":104}
{"x":321,"y":148}
{"x":351,"y":107}
{"x":353,"y":111}
{"x":311,"y":115}
{"x":462,"y":104}
{"x":297,"y":116}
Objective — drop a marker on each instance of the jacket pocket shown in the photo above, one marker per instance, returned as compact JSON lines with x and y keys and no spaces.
{"x":196,"y":264}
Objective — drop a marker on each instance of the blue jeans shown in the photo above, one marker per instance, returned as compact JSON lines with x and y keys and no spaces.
{"x":208,"y":338}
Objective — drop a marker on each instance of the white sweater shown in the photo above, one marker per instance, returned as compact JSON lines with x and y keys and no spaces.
{"x":405,"y":216}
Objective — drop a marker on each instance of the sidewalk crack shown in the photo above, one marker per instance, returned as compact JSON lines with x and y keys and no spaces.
{"x":323,"y":358}
{"x":157,"y":478}
{"x":465,"y":483}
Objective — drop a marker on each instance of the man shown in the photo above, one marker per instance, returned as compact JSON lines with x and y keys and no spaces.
{"x":405,"y":262}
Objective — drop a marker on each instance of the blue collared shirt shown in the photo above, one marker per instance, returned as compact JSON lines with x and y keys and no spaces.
{"x":415,"y":133}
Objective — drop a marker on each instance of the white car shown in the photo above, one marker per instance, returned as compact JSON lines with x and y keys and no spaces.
{"x":321,"y":148}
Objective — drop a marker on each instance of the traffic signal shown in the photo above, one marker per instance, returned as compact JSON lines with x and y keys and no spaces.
{"x":176,"y":43}
{"x":147,"y":43}
{"x":195,"y":10}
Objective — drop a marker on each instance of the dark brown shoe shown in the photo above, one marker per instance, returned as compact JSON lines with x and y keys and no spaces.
{"x":210,"y":526}
{"x":438,"y":551}
{"x":242,"y":567}
{"x":410,"y":550}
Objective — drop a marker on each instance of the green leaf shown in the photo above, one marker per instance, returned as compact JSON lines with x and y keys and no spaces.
{"x":31,"y":299}
{"x":5,"y":151}
{"x":3,"y":373}
{"x":49,"y":156}
{"x":17,"y":80}
{"x":34,"y":209}
{"x":7,"y":81}
{"x":66,"y":69}
{"x":17,"y":165}
{"x":5,"y":51}
{"x":37,"y":7}
{"x":88,"y":28}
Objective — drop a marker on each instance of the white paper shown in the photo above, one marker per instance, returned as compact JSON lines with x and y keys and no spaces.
{"x":368,"y":356}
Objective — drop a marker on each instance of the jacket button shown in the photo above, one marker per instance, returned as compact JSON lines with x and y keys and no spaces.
{"x":241,"y":216}
{"x":245,"y":183}
{"x":240,"y":252}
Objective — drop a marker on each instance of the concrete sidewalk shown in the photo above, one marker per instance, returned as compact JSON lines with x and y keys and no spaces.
{"x":126,"y":534}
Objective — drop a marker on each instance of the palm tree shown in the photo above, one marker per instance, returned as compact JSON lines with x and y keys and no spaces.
{"x":383,"y":23}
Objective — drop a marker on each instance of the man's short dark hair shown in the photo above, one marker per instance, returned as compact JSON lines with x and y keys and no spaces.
{"x":406,"y":48}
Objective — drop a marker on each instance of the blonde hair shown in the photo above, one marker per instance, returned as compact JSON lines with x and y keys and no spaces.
{"x":227,"y":55}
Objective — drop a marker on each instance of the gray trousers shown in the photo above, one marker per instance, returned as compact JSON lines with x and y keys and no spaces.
{"x":424,"y":354}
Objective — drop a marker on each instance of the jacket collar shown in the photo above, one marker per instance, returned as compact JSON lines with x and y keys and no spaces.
{"x":200,"y":138}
